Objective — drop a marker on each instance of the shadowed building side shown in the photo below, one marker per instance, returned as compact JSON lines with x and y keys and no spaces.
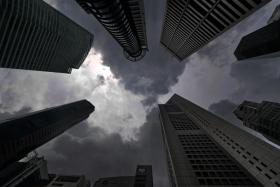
{"x":142,"y":178}
{"x":205,"y":150}
{"x":262,"y":117}
{"x":191,"y":24}
{"x":34,"y":173}
{"x":23,"y":134}
{"x":124,"y":20}
{"x":35,"y":36}
{"x":264,"y":42}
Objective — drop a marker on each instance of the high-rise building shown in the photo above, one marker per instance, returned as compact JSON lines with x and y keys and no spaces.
{"x":275,"y":15}
{"x":205,"y":150}
{"x":23,"y":134}
{"x":124,"y":20}
{"x":69,"y":181}
{"x":142,"y":178}
{"x":262,"y":43}
{"x":262,"y":117}
{"x":35,"y":36}
{"x":34,"y":173}
{"x":190,"y":25}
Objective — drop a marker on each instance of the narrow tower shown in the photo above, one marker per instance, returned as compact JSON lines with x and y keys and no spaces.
{"x":35,"y":36}
{"x":23,"y":134}
{"x":205,"y":150}
{"x":189,"y":25}
{"x":124,"y":20}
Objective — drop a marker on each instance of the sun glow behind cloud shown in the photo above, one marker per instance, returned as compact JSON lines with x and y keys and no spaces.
{"x":117,"y":110}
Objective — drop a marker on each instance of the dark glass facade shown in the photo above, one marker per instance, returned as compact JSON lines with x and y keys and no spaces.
{"x":124,"y":20}
{"x":142,"y":178}
{"x":190,"y":25}
{"x":205,"y":150}
{"x":35,"y":36}
{"x":264,"y":41}
{"x":262,"y":117}
{"x":23,"y":134}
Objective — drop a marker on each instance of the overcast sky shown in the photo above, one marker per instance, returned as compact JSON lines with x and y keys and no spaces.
{"x":124,"y":130}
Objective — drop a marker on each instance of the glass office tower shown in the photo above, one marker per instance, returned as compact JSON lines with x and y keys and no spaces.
{"x":23,"y":134}
{"x":124,"y":20}
{"x":190,"y":25}
{"x":35,"y":36}
{"x":205,"y":150}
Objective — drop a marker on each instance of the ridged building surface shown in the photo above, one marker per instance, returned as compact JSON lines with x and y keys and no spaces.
{"x":23,"y":134}
{"x":262,"y":117}
{"x":191,"y":24}
{"x":35,"y":36}
{"x":204,"y":150}
{"x":33,"y":172}
{"x":142,"y":178}
{"x":124,"y":20}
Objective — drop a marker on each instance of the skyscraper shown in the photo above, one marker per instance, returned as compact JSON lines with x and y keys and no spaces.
{"x":262,"y":117}
{"x":203,"y":149}
{"x":190,"y":25}
{"x":142,"y":178}
{"x":35,"y":36}
{"x":34,"y":173}
{"x":262,"y":43}
{"x":124,"y":20}
{"x":23,"y":134}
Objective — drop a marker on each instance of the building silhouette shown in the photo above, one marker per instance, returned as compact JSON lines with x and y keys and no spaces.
{"x":35,"y":36}
{"x":262,"y":43}
{"x":275,"y":15}
{"x":23,"y":134}
{"x":124,"y":20}
{"x":262,"y":117}
{"x":190,"y":25}
{"x":34,"y":173}
{"x":142,"y":178}
{"x":203,"y":149}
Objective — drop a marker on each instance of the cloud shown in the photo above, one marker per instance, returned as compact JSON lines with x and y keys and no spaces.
{"x":207,"y":77}
{"x":224,"y":109}
{"x":257,"y":80}
{"x":91,"y":151}
{"x":124,"y":130}
{"x":93,"y":81}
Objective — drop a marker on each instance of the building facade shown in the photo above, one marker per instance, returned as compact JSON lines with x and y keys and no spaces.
{"x":34,"y":173}
{"x":142,"y":178}
{"x":205,"y":150}
{"x":35,"y":36}
{"x":124,"y":20}
{"x":262,"y":43}
{"x":23,"y":134}
{"x":69,"y":181}
{"x":190,"y":25}
{"x":262,"y":117}
{"x":28,"y":173}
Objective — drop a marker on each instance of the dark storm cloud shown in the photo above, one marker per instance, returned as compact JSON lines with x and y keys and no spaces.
{"x":224,"y":109}
{"x":257,"y":79}
{"x":7,"y":115}
{"x":151,"y":76}
{"x":90,"y":151}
